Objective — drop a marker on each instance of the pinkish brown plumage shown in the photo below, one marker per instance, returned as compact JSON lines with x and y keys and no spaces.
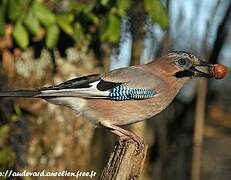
{"x":126,"y":95}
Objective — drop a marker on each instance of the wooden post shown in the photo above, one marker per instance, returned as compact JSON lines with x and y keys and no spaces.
{"x":124,"y":162}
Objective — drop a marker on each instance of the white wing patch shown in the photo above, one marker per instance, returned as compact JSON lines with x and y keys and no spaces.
{"x":91,"y":92}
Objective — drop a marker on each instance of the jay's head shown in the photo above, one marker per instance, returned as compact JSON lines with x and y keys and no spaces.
{"x":180,"y":64}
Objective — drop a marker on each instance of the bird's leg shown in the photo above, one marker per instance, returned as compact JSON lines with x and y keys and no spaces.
{"x":125,"y":134}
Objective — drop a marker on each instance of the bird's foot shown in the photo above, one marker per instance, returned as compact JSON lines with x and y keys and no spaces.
{"x":125,"y":135}
{"x":139,"y":142}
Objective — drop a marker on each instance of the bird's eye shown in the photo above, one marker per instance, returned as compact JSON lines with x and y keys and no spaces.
{"x":182,"y":62}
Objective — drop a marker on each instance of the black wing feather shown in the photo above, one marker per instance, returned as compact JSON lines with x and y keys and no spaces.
{"x":106,"y":85}
{"x":76,"y":83}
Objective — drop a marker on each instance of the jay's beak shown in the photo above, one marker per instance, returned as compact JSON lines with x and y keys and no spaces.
{"x":202,"y":69}
{"x":198,"y":69}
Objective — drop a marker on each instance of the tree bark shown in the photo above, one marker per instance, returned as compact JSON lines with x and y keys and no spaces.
{"x":137,"y":15}
{"x":221,"y":36}
{"x":125,"y":162}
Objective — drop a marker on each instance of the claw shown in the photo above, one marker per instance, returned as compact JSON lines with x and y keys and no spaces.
{"x":140,"y":144}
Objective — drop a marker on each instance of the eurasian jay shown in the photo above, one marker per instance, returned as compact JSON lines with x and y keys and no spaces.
{"x":125,"y":95}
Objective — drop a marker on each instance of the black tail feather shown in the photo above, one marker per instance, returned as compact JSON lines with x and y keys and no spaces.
{"x":19,"y":93}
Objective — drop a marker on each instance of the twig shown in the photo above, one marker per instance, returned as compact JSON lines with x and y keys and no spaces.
{"x":198,"y":131}
{"x":124,"y":162}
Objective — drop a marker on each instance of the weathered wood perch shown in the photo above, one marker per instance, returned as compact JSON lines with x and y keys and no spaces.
{"x":124,"y":162}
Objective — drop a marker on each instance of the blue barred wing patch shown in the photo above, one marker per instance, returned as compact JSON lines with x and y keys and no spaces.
{"x":122,"y":92}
